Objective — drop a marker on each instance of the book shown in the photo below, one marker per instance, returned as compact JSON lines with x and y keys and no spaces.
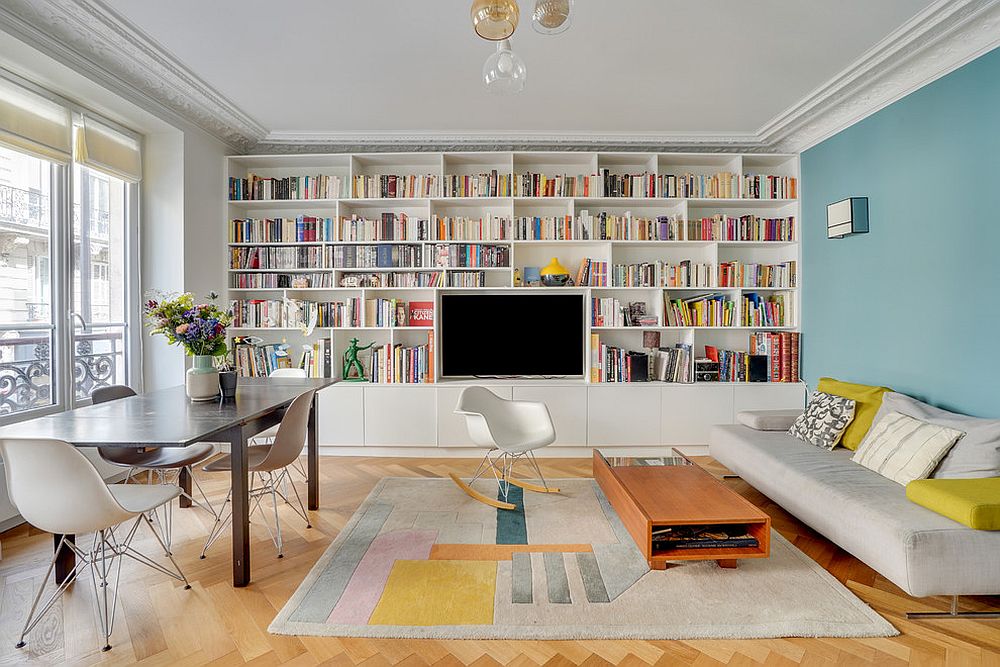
{"x":486,"y":184}
{"x":255,"y":187}
{"x":764,"y":186}
{"x":421,"y":313}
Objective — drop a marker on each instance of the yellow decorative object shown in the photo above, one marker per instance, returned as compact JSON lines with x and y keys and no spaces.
{"x":971,"y":502}
{"x":555,"y":274}
{"x":867,"y":401}
{"x":437,"y":592}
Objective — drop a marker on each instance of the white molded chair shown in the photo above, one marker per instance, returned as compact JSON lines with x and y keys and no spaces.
{"x":511,"y":430}
{"x":56,"y":489}
{"x":266,"y":437}
{"x":268,"y":465}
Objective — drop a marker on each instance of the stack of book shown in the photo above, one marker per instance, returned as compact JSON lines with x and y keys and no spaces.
{"x":687,"y":274}
{"x":492,"y":184}
{"x":772,"y":310}
{"x":399,"y":364}
{"x":627,"y":185}
{"x":259,"y":360}
{"x":539,"y":228}
{"x":303,"y":228}
{"x":592,"y":273}
{"x":738,"y":274}
{"x":782,"y":352}
{"x":531,"y":184}
{"x":272,"y":257}
{"x":721,"y":227}
{"x":255,"y":187}
{"x":762,"y":186}
{"x":394,"y":186}
{"x":381,"y":256}
{"x":614,"y":364}
{"x":702,"y":537}
{"x":672,"y":364}
{"x":704,"y":310}
{"x":489,"y":228}
{"x":389,"y":227}
{"x":470,"y":255}
{"x":723,"y":184}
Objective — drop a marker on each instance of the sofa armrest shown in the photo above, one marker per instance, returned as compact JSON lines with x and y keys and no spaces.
{"x":768,"y":420}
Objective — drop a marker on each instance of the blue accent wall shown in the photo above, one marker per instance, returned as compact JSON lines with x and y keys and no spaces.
{"x":915,"y":303}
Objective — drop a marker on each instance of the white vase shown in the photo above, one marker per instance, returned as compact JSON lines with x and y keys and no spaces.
{"x":202,"y":379}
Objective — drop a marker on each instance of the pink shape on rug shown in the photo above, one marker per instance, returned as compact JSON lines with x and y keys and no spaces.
{"x":365,"y":588}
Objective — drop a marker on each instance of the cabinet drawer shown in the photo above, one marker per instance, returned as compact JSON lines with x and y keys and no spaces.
{"x":400,"y":416}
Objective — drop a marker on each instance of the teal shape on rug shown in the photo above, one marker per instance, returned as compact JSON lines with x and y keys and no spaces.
{"x":511,"y":527}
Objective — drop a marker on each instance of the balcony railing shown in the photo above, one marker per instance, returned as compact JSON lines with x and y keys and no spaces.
{"x":24,"y":207}
{"x":26,"y":371}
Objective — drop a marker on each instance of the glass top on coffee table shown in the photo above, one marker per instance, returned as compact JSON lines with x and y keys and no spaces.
{"x":674,"y":458}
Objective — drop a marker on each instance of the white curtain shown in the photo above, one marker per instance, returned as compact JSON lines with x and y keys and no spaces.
{"x":32,"y":124}
{"x":105,"y":149}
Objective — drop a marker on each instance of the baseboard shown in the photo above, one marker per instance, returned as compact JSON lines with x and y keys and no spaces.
{"x":477,"y":452}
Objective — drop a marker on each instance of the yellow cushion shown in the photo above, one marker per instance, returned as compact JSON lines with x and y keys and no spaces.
{"x":867,"y":401}
{"x":971,"y":502}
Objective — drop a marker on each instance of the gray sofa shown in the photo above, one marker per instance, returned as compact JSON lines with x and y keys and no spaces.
{"x":864,"y":513}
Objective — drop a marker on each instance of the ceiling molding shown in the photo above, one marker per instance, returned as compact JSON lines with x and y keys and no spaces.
{"x":938,"y":40}
{"x":92,"y":38}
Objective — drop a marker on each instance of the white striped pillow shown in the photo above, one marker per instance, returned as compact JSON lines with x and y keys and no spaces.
{"x":903,"y":449}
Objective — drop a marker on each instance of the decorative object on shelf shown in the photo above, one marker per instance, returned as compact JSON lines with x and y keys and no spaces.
{"x":504,"y":71}
{"x":706,"y":370}
{"x":552,"y":17}
{"x":353,"y":370}
{"x":494,"y":20}
{"x":555,"y":274}
{"x":517,"y":278}
{"x":845,"y":217}
{"x":200,"y":329}
{"x":532,"y":276}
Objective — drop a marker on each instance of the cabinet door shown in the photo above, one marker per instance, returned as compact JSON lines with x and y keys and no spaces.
{"x":451,"y":431}
{"x":623,"y":415}
{"x":400,"y":416}
{"x":568,"y":408}
{"x":688,"y":411}
{"x":767,"y":396}
{"x":342,"y":415}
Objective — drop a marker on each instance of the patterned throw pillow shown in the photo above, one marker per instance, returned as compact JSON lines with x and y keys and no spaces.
{"x":903,"y":449}
{"x":824,"y":421}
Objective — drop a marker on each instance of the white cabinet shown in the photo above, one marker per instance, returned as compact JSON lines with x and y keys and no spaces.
{"x":451,"y":431}
{"x":342,"y":414}
{"x":623,"y":415}
{"x":568,"y":408}
{"x":687,"y":412}
{"x":400,"y":416}
{"x":768,"y":396}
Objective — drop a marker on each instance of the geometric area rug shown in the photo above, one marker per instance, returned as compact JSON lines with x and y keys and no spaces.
{"x":421,"y":559}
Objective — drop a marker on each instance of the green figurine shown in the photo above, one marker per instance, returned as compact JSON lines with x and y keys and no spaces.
{"x":351,"y":363}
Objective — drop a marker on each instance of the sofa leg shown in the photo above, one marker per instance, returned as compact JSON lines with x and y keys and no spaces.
{"x":952,"y":613}
{"x":730,"y":475}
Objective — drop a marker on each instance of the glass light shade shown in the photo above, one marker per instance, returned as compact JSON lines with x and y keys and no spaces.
{"x":494,"y":19}
{"x":551,"y":17}
{"x":504,"y":72}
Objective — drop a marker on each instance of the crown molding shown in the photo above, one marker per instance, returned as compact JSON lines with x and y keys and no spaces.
{"x":93,"y":39}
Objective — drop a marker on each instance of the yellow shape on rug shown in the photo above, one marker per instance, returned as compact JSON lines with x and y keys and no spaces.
{"x":437,"y":592}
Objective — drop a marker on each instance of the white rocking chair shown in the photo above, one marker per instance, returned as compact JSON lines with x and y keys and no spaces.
{"x":512,"y":430}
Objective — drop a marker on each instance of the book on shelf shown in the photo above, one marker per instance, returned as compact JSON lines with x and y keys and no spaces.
{"x":627,"y":185}
{"x":470,"y":255}
{"x":255,"y":187}
{"x":487,"y":184}
{"x":461,"y":228}
{"x":259,"y":360}
{"x":614,"y":364}
{"x":389,"y":226}
{"x":721,"y":185}
{"x":398,"y":313}
{"x":642,"y":274}
{"x":739,"y":274}
{"x":592,"y":273}
{"x":300,"y":229}
{"x":530,"y":184}
{"x":280,"y":280}
{"x":763,"y":186}
{"x":782,"y":352}
{"x":627,"y":227}
{"x":465,"y":278}
{"x":609,"y":312}
{"x":672,"y":364}
{"x":771,"y":310}
{"x":401,"y":364}
{"x":394,"y":186}
{"x":393,"y":279}
{"x":687,"y":274}
{"x":703,"y":310}
{"x":703,"y":537}
{"x":720,"y":227}
{"x":317,"y":359}
{"x":380,"y":256}
{"x":546,"y":228}
{"x":272,"y":257}
{"x":295,"y":313}
{"x":421,"y":313}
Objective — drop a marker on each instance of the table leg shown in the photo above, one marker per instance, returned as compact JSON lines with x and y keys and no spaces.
{"x":241,"y":506}
{"x":727,"y":562}
{"x":65,"y":558}
{"x":312,"y":446}
{"x":184,"y":481}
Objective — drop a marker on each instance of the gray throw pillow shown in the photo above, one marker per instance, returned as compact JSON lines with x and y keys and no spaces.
{"x":976,"y":454}
{"x":824,"y":421}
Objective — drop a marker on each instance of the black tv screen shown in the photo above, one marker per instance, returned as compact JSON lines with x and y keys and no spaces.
{"x":512,"y":334}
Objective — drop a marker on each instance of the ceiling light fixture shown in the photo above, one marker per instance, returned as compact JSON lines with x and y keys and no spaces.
{"x":504,"y":72}
{"x":494,"y":20}
{"x":551,"y":17}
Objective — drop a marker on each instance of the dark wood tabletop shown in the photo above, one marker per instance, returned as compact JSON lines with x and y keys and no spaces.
{"x":163,"y":418}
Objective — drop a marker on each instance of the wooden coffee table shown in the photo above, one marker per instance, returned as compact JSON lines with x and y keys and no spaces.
{"x":650,"y":493}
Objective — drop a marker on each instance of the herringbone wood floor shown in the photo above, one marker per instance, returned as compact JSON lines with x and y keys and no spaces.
{"x":159,"y":623}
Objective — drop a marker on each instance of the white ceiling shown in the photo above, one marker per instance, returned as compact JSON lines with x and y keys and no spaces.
{"x":624,"y":67}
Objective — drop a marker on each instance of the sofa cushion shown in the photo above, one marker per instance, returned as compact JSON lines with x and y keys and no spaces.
{"x":824,"y":420}
{"x":903,"y":449}
{"x":867,"y":399}
{"x":866,"y":514}
{"x":976,"y":454}
{"x":768,"y":420}
{"x":971,"y":502}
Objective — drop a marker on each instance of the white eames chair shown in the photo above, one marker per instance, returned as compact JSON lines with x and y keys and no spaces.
{"x":57,"y":490}
{"x":266,"y":437}
{"x":512,"y":430}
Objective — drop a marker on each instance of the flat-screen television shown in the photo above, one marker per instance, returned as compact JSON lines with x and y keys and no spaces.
{"x":538,"y":333}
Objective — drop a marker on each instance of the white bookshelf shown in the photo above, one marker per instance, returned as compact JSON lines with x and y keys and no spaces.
{"x":374,"y":398}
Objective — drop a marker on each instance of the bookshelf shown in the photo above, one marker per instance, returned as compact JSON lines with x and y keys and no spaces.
{"x":413,"y":226}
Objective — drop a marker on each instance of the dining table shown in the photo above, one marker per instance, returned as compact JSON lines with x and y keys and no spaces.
{"x":168,"y":418}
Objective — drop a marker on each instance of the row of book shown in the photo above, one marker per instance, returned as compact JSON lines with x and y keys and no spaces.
{"x":721,"y":227}
{"x":703,"y":310}
{"x":271,"y":257}
{"x":763,"y":186}
{"x":293,"y":313}
{"x":686,"y":274}
{"x":400,"y":364}
{"x":609,"y":363}
{"x":739,"y":274}
{"x":280,"y":280}
{"x":382,"y":256}
{"x":610,"y":227}
{"x":317,"y":359}
{"x":546,"y":228}
{"x":255,"y":187}
{"x":782,"y":350}
{"x":772,"y":310}
{"x":460,"y":228}
{"x":394,"y":186}
{"x":300,"y":229}
{"x":721,"y":185}
{"x":668,"y":538}
{"x":672,"y":364}
{"x":531,"y":184}
{"x":492,"y":184}
{"x":609,"y":312}
{"x":470,"y":255}
{"x":399,"y":313}
{"x":592,"y":273}
{"x":260,"y":360}
{"x":389,"y":226}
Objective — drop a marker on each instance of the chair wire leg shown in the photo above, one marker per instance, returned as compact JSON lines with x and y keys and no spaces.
{"x":301,"y":510}
{"x":221,"y":521}
{"x":33,"y":618}
{"x":530,"y":455}
{"x":277,"y":521}
{"x":129,"y":551}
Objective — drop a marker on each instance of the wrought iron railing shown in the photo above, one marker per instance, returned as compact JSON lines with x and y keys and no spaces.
{"x":26,"y":370}
{"x":24,"y":207}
